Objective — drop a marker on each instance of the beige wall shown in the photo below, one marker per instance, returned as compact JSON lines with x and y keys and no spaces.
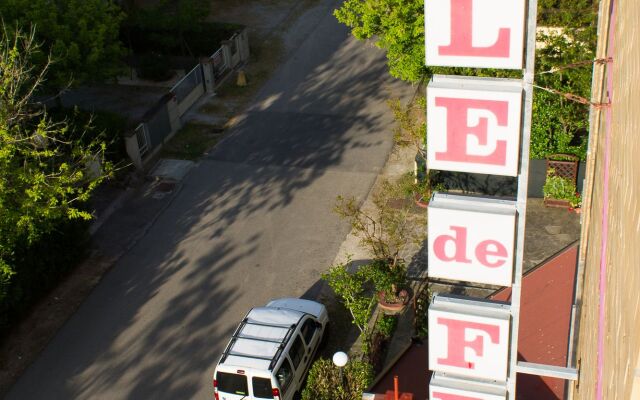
{"x":622,"y":299}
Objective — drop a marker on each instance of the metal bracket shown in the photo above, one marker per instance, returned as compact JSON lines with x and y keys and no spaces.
{"x":551,"y":371}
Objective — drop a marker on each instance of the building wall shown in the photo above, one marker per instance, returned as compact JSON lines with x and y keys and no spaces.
{"x":620,"y":215}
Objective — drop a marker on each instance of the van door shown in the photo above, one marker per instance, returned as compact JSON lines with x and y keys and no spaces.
{"x":262,"y":388}
{"x":311,"y":333}
{"x":299,"y":358}
{"x":229,"y":386}
{"x":286,"y":380}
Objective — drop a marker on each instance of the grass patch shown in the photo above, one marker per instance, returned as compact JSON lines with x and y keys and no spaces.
{"x":191,"y":142}
{"x":214,"y":107}
{"x":265,"y":58}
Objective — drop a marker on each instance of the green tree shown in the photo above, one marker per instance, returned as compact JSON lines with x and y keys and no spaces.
{"x":352,"y":289}
{"x":170,"y":20}
{"x":397,"y":26}
{"x":47,"y":170}
{"x":81,"y":35}
{"x":563,"y":65}
{"x":559,"y":125}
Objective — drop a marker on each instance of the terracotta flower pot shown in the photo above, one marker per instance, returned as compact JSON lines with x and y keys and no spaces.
{"x":421,"y":201}
{"x":557,"y":203}
{"x":396,"y":307}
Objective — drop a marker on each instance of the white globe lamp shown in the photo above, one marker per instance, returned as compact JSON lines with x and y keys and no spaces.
{"x":340,"y":359}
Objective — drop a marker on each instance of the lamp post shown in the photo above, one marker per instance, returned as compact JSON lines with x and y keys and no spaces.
{"x":340,"y":359}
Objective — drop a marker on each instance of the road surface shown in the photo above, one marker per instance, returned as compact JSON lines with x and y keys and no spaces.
{"x":252,"y":222}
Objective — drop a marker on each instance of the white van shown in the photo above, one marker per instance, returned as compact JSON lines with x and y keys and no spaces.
{"x":270,"y":352}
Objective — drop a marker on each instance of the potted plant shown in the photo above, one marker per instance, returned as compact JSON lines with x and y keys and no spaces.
{"x":559,"y":191}
{"x":575,"y":203}
{"x":390,"y":285}
{"x":423,"y":186}
{"x":386,"y":231}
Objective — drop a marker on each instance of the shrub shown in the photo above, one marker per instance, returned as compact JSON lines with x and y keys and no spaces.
{"x":385,"y":277}
{"x":34,"y":275}
{"x":421,"y":322}
{"x":352,"y":289}
{"x":154,"y":67}
{"x":387,"y":230}
{"x":323,"y":382}
{"x":386,"y":325}
{"x":200,"y":40}
{"x":557,"y":187}
{"x":86,"y":126}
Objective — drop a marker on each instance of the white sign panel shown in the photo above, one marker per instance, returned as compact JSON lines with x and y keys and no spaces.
{"x":444,"y":387}
{"x":471,"y":239}
{"x":474,"y":33}
{"x":473,"y":125}
{"x":469,"y":338}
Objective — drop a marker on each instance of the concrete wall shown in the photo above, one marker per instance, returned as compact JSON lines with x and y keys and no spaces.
{"x":191,"y":98}
{"x":620,"y":215}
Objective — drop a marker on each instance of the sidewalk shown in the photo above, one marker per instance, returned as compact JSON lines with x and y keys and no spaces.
{"x":130,"y":214}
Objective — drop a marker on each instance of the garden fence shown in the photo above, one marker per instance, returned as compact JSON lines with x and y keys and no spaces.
{"x":163,"y":120}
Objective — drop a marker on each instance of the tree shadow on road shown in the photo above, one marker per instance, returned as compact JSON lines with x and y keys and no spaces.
{"x":151,"y":328}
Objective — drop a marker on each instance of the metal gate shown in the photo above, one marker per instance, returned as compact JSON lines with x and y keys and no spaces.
{"x":142,"y":136}
{"x":219,"y":63}
{"x":183,"y":88}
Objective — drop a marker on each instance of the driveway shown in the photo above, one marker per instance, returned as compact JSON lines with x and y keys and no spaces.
{"x":252,"y":222}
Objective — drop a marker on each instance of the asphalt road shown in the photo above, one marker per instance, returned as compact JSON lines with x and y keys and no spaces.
{"x":252,"y":222}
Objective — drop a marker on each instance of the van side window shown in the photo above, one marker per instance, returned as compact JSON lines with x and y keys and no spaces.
{"x":297,"y":351}
{"x":262,"y":388}
{"x":308,"y":329}
{"x":284,"y":375}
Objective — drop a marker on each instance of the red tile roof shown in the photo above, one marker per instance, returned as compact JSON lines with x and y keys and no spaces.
{"x":547,"y":297}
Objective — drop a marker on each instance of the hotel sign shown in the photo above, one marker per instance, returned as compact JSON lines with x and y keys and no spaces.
{"x":475,"y":125}
{"x":474,"y":33}
{"x":471,"y":239}
{"x":469,"y":338}
{"x":444,"y":387}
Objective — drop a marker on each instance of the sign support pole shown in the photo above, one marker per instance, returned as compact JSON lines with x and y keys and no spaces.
{"x":523,"y":185}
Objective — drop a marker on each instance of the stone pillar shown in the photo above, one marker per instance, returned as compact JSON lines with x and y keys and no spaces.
{"x":174,"y":115}
{"x":226,"y":54}
{"x":209,"y":77}
{"x":243,"y":45}
{"x":131,"y":144}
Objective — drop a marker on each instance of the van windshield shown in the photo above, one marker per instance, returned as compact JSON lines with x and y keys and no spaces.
{"x":232,"y":383}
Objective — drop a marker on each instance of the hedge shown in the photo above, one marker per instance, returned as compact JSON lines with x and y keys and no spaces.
{"x":323,"y":382}
{"x":39,"y":267}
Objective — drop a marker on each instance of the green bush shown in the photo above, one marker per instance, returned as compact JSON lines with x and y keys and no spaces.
{"x":352,"y":288}
{"x":386,"y":325}
{"x":200,"y":40}
{"x":557,"y":187}
{"x":421,"y":322}
{"x":385,"y":277}
{"x":323,"y":382}
{"x":154,"y":67}
{"x":39,"y":267}
{"x":86,"y":126}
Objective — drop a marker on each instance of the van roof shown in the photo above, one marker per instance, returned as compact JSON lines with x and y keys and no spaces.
{"x":262,"y":334}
